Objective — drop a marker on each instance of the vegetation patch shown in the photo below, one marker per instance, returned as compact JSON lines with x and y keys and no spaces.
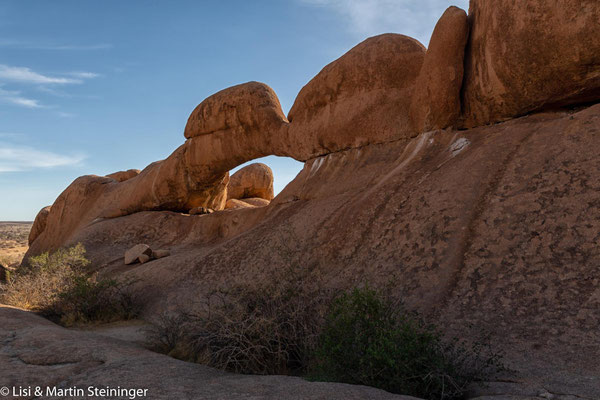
{"x":58,"y":287}
{"x":369,"y":339}
{"x":296,"y":327}
{"x":265,"y":329}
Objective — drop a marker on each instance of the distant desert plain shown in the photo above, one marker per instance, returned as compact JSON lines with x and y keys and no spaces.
{"x":13,"y":241}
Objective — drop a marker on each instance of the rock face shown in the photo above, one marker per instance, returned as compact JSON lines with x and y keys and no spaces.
{"x":122,"y":176}
{"x":494,"y":227}
{"x":436,"y":99}
{"x":237,"y":110}
{"x":254,"y":180}
{"x":37,"y":351}
{"x":373,"y":82}
{"x":525,"y":56}
{"x":39,"y":224}
{"x":361,"y":98}
{"x":74,"y":208}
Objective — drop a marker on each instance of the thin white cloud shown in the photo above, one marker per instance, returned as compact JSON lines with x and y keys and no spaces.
{"x":84,"y":75}
{"x":22,"y":158}
{"x":14,"y":97}
{"x":100,"y":46}
{"x":26,"y":75}
{"x":415,"y":18}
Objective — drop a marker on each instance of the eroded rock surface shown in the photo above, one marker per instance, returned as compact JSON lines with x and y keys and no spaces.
{"x":525,"y":56}
{"x":436,"y":99}
{"x":361,"y":98}
{"x":495,"y":228}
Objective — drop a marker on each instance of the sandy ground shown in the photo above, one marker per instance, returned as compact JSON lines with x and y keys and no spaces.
{"x":13,"y":241}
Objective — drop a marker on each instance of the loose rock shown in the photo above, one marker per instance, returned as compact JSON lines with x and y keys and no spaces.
{"x":135,"y":252}
{"x":201,"y":211}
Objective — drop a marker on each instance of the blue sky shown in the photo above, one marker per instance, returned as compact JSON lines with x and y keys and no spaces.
{"x":93,"y":87}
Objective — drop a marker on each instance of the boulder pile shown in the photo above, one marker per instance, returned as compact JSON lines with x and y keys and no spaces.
{"x":142,"y":253}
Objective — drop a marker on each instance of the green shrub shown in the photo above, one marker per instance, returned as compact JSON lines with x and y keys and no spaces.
{"x":58,"y":286}
{"x":367,"y":339}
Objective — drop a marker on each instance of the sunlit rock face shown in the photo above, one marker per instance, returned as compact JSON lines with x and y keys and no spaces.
{"x":526,"y":56}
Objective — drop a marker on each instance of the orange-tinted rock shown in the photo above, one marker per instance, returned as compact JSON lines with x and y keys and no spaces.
{"x":436,"y":98}
{"x":76,"y":207}
{"x":171,"y":184}
{"x":256,"y":201}
{"x":254,"y":180}
{"x":235,"y":203}
{"x":494,"y":228}
{"x":237,"y":110}
{"x":122,"y":176}
{"x":39,"y":224}
{"x":525,"y":56}
{"x":361,"y":98}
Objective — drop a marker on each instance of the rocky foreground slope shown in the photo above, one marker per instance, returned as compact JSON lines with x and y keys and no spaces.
{"x":67,"y":359}
{"x":465,"y":176}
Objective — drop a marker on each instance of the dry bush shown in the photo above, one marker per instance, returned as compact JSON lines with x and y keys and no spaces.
{"x":58,"y":287}
{"x":37,"y":285}
{"x":269,"y":328}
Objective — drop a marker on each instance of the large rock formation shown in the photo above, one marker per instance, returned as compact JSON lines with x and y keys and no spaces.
{"x":436,"y":99}
{"x":494,"y":227}
{"x":525,"y":56}
{"x":254,"y":180}
{"x":361,"y":98}
{"x":371,"y":84}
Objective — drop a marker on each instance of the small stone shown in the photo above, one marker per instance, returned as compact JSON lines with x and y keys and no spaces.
{"x":160,"y":253}
{"x":135,"y":252}
{"x":143,"y":258}
{"x":201,"y":211}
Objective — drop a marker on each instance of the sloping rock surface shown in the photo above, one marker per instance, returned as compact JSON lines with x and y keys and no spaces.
{"x":35,"y":352}
{"x":494,"y":228}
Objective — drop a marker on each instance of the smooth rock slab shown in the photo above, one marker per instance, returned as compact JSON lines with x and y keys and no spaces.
{"x":37,"y":352}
